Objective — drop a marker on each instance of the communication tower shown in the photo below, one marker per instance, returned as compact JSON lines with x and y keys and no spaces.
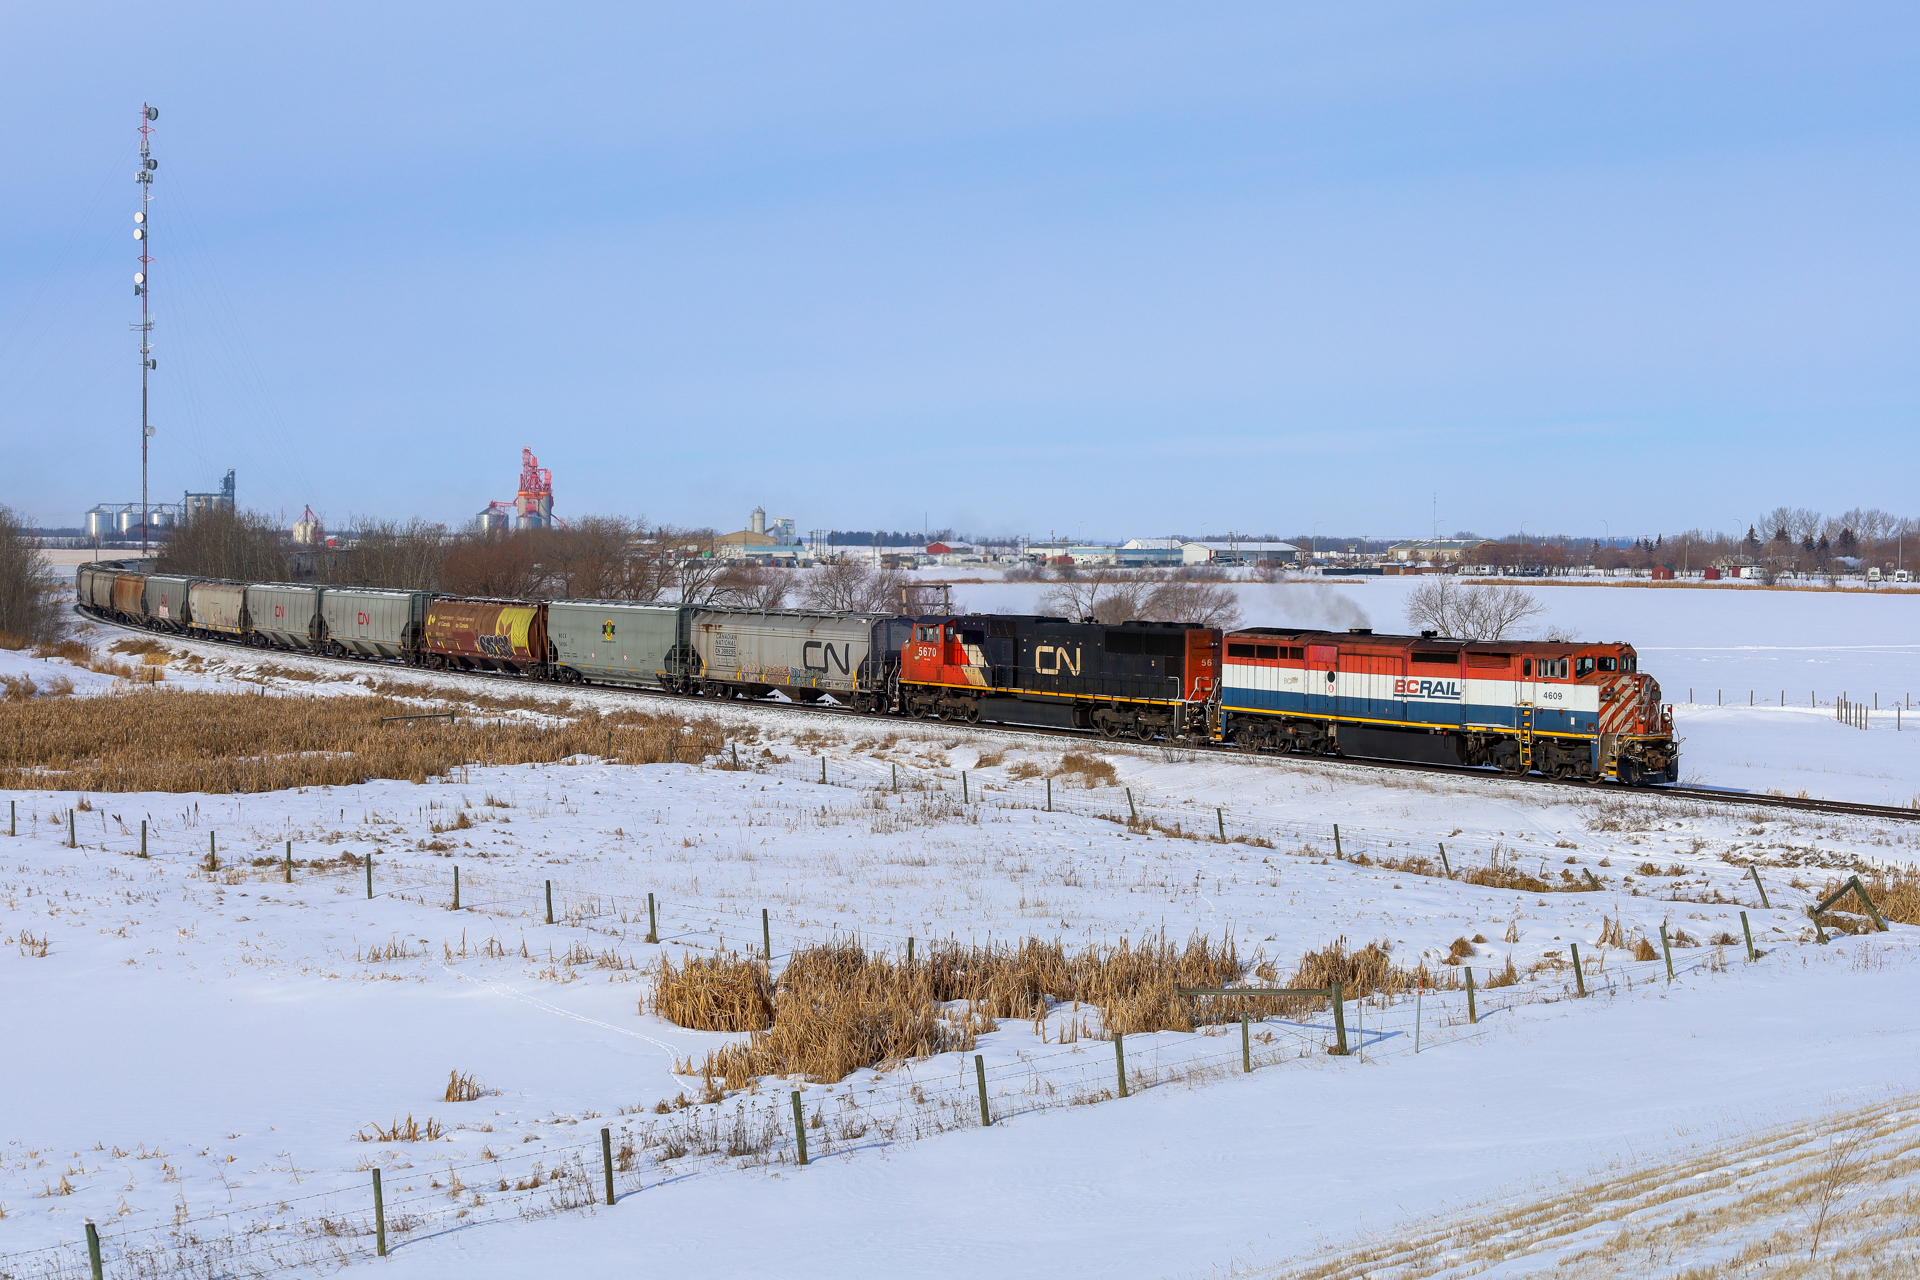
{"x":143,"y":241}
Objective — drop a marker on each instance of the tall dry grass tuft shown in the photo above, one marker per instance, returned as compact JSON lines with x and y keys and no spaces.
{"x":1368,"y":971}
{"x":162,"y":740}
{"x":462,"y":1087}
{"x":714,"y":993}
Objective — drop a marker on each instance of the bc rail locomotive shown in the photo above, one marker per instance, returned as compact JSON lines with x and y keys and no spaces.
{"x":1571,"y":711}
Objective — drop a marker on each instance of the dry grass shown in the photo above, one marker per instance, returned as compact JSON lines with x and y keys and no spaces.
{"x":408,"y":1130}
{"x":837,"y":1008}
{"x":462,"y":1087}
{"x":1501,"y":871}
{"x":1091,"y":770}
{"x":1368,"y":971}
{"x":714,"y":993}
{"x":150,"y":740}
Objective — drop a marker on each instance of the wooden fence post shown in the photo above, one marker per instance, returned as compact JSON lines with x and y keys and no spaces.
{"x":799,"y":1126}
{"x":1340,"y":1019}
{"x":1473,"y":1015}
{"x":1444,"y":864}
{"x":379,"y":1218}
{"x":1132,"y":812}
{"x":896,"y":777}
{"x":13,"y":818}
{"x":1120,"y":1060}
{"x":1246,"y":1045}
{"x":549,"y":902}
{"x":1049,"y":795}
{"x":1820,"y":932}
{"x":286,"y":867}
{"x":213,"y":853}
{"x":1747,"y":929}
{"x":1579,"y":978}
{"x":1867,"y":902}
{"x":823,"y":769}
{"x":143,"y":838}
{"x":909,"y":949}
{"x":1666,"y":951}
{"x":93,"y":1252}
{"x":766,"y":935}
{"x":963,"y":786}
{"x":980,"y":1074}
{"x":653,"y":929}
{"x":1220,"y":816}
{"x":70,"y":834}
{"x":1754,"y":871}
{"x":1336,"y":843}
{"x":369,"y":875}
{"x":456,"y":888}
{"x":606,"y":1160}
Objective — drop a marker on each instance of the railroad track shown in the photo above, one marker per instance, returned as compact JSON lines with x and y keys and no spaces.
{"x":1711,"y":795}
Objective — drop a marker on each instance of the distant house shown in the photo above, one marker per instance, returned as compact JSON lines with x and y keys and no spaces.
{"x":939,"y":549}
{"x":1437,"y":550}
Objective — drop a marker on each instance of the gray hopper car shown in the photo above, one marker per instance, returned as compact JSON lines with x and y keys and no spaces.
{"x":285,"y":615}
{"x":94,"y":586}
{"x":803,"y":655}
{"x":607,"y":642}
{"x":167,"y":601}
{"x":374,"y":623}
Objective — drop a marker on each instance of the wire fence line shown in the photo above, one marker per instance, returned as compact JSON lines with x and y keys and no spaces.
{"x":428,"y":1198}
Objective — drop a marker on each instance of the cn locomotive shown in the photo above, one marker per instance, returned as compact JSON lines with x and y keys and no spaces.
{"x":1567,"y":711}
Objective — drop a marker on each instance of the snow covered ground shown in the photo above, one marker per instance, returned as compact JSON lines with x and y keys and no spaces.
{"x":197,"y":1055}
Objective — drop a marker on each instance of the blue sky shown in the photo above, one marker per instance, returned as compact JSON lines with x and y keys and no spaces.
{"x":1111,"y":270}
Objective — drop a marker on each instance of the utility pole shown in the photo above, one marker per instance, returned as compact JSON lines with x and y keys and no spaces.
{"x":143,"y":238}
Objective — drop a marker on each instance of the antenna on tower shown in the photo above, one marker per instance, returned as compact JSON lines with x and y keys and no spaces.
{"x":143,"y":240}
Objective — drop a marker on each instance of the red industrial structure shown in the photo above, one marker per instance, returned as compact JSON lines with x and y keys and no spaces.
{"x":531,"y":508}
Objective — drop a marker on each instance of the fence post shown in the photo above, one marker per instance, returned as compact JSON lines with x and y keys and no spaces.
{"x":1747,"y":929}
{"x":1819,"y":931}
{"x":1340,"y":1019}
{"x":799,"y":1127}
{"x":766,"y":934}
{"x":606,"y":1160}
{"x":286,"y":867}
{"x":1120,"y":1060}
{"x":1444,"y":864}
{"x":1336,"y":843}
{"x":896,"y":777}
{"x":1132,"y":812}
{"x":549,"y":902}
{"x":1419,"y":995}
{"x":963,"y":786}
{"x":909,"y":949}
{"x":1049,"y":795}
{"x":379,"y":1218}
{"x":70,"y":835}
{"x":369,"y":875}
{"x":823,"y":768}
{"x":456,"y":888}
{"x":1246,"y":1045}
{"x":1473,"y":1015}
{"x":93,"y":1251}
{"x":1755,"y":872}
{"x":143,"y":838}
{"x":1868,"y":903}
{"x":735,"y":748}
{"x":13,"y":818}
{"x":1666,"y":951}
{"x":213,"y":854}
{"x":1579,"y":978}
{"x":653,"y":930}
{"x":980,"y":1074}
{"x":1220,"y":816}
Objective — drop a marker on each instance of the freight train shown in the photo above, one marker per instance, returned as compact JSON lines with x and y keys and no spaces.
{"x":1568,"y":711}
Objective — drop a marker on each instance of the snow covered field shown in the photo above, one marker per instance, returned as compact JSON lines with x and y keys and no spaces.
{"x":198,"y":1054}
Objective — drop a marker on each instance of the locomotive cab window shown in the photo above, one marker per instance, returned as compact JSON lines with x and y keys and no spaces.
{"x":1526,"y":668}
{"x":1583,"y":666}
{"x":1552,"y":668}
{"x":1608,"y":663}
{"x":1629,"y":663}
{"x":1270,"y":653}
{"x":1240,"y":651}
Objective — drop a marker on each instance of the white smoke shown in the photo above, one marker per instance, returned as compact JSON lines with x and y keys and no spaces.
{"x":1309,"y":606}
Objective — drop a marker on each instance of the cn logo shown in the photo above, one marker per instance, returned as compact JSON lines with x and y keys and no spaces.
{"x":1058,"y":657}
{"x":363,"y":619}
{"x":279,"y":612}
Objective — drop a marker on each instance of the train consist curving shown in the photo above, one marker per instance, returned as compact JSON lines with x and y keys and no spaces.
{"x":1579,"y":711}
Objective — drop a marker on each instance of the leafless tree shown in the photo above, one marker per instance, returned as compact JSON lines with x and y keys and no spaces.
{"x":853,"y":586}
{"x":1102,"y":593}
{"x":755,"y":587}
{"x":387,"y":553}
{"x":1198,"y":604}
{"x":245,"y":546}
{"x":1469,"y":611}
{"x":28,"y":587}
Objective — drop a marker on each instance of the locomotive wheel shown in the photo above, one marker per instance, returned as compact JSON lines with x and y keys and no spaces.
{"x":1143,"y":731}
{"x":971,"y":715}
{"x":1108,"y":726}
